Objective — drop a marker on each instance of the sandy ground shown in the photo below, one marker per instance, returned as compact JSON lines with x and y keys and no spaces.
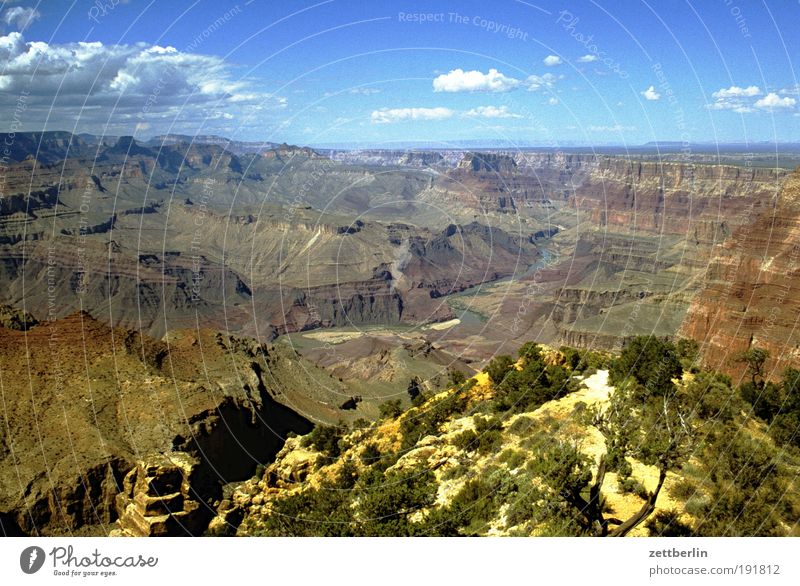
{"x":592,"y":443}
{"x":334,"y":337}
{"x":445,"y":325}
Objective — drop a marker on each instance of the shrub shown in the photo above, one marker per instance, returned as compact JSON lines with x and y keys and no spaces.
{"x":771,"y":401}
{"x":489,"y":441}
{"x":474,"y":505}
{"x":370,"y":454}
{"x":688,"y":351}
{"x":651,"y":362}
{"x":325,"y":439}
{"x":467,"y":440}
{"x":683,"y":490}
{"x":426,"y":421}
{"x":630,"y":485}
{"x":386,"y":506}
{"x":731,"y":513}
{"x":512,"y":458}
{"x":713,"y":397}
{"x":668,"y":524}
{"x":498,"y":368}
{"x":456,"y":471}
{"x":522,"y":425}
{"x":456,"y":377}
{"x":785,"y":429}
{"x":562,"y":467}
{"x":572,"y":357}
{"x":585,"y":361}
{"x":526,"y":389}
{"x":419,"y":400}
{"x":346,"y":476}
{"x":526,"y":506}
{"x":391,"y":409}
{"x":530,"y":351}
{"x":314,"y":512}
{"x":766,"y":400}
{"x":483,"y":424}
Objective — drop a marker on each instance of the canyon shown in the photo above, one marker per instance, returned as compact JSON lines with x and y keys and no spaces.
{"x":173,"y":309}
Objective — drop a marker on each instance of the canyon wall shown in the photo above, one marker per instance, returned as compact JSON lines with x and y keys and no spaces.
{"x":751,"y":290}
{"x":84,"y":401}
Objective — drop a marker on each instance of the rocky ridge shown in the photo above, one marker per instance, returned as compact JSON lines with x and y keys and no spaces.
{"x":84,"y":402}
{"x":449,"y":467}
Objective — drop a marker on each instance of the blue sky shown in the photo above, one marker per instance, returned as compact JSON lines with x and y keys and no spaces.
{"x":549,"y":73}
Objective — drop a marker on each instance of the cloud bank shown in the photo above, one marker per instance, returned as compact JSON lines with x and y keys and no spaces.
{"x":114,"y":87}
{"x":743,"y":100}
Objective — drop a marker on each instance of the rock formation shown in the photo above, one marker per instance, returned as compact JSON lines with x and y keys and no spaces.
{"x":165,"y":495}
{"x":84,"y":401}
{"x":751,"y":290}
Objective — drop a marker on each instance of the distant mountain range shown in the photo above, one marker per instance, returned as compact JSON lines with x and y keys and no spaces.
{"x":52,"y":145}
{"x":653,"y":147}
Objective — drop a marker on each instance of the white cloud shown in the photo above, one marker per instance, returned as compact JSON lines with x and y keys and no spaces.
{"x":587,"y":58}
{"x":459,"y":80}
{"x":537,"y":82}
{"x":553,"y":101}
{"x":773,"y":101}
{"x":491,"y":112}
{"x":552,"y":60}
{"x":129,"y":83}
{"x":742,"y":99}
{"x":388,"y":116}
{"x":20,"y":17}
{"x":651,"y":94}
{"x":737,"y":92}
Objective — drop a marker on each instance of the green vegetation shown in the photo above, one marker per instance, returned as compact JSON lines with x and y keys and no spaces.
{"x":536,"y":383}
{"x":456,"y":377}
{"x":689,"y":353}
{"x":373,"y":503}
{"x":498,"y":368}
{"x":370,"y":454}
{"x":734,"y":479}
{"x":584,"y":362}
{"x":390,"y":409}
{"x":650,"y":362}
{"x":478,"y":502}
{"x":467,"y":440}
{"x":776,"y":403}
{"x":745,"y":492}
{"x":486,"y":438}
{"x":325,"y":439}
{"x":755,"y":358}
{"x":668,"y":524}
{"x":426,"y":420}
